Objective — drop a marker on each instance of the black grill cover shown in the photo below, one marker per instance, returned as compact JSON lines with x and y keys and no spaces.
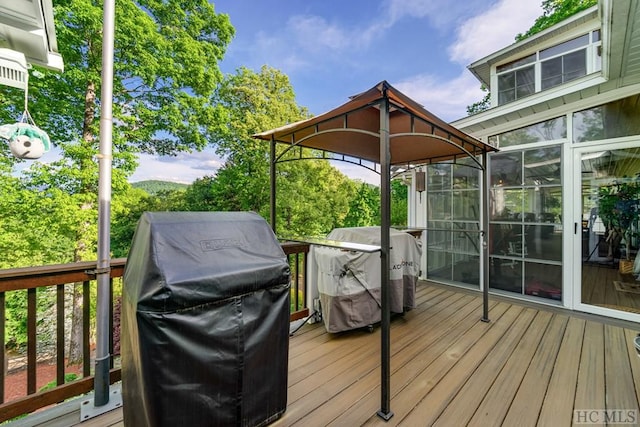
{"x":205,"y":309}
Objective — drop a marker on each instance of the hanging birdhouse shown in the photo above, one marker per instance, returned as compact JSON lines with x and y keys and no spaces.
{"x":26,"y":140}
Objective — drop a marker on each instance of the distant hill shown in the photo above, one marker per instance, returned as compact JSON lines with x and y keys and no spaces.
{"x":154,"y":186}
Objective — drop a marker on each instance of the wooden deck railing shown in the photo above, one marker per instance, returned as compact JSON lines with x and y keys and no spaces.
{"x":32,"y":279}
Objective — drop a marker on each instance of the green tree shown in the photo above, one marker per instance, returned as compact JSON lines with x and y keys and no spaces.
{"x":364,"y":208}
{"x":36,"y":226}
{"x":313,"y":198}
{"x":165,"y":68}
{"x":165,"y":72}
{"x":399,"y":203}
{"x":555,"y":11}
{"x":201,"y":196}
{"x":255,"y":102}
{"x":126,"y":209}
{"x":482,"y":105}
{"x":312,"y":195}
{"x":36,"y":229}
{"x":154,"y":186}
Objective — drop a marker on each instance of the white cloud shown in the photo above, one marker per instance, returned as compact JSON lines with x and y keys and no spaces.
{"x":493,"y":30}
{"x":398,"y":9}
{"x":306,"y":39}
{"x":184,"y":168}
{"x":446,"y":98}
{"x":442,"y":14}
{"x":315,"y":33}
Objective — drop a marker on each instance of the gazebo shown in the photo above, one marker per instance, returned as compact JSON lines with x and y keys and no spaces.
{"x":389,"y":130}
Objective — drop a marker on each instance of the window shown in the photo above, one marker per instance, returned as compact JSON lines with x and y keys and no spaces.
{"x":549,"y":67}
{"x":516,"y":79}
{"x":567,"y":46}
{"x":516,"y":84}
{"x":612,"y":120}
{"x":549,"y":130}
{"x":567,"y":66}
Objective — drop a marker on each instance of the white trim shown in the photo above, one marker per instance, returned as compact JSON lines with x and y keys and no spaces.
{"x":582,"y":104}
{"x":568,"y":206}
{"x":587,"y":20}
{"x":28,"y":26}
{"x":605,"y":35}
{"x":531,"y":101}
{"x":575,"y":264}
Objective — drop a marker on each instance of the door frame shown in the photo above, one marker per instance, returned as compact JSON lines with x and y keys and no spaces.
{"x":573,"y":223}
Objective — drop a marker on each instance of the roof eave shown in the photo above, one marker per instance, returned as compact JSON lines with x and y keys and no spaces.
{"x":28,"y":27}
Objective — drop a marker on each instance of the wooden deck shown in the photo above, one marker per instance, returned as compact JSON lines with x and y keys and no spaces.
{"x":528,"y":366}
{"x":599,"y":288}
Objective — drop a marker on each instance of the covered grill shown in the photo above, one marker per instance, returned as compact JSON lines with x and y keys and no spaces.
{"x":349,"y":282}
{"x":205,"y":321}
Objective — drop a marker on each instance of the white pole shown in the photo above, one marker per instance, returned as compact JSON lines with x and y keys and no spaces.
{"x":101,"y":378}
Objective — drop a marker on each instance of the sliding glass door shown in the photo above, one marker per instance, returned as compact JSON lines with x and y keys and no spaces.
{"x":610,"y":229}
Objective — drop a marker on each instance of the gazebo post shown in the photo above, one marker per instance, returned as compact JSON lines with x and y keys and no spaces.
{"x":272,"y":178}
{"x":385,"y":223}
{"x":485,"y":237}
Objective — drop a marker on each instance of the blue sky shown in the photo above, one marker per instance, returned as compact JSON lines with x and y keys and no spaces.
{"x":334,"y":49}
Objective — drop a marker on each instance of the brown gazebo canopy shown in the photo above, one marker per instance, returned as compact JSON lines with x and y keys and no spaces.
{"x":385,"y":127}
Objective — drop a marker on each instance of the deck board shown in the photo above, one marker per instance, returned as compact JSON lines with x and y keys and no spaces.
{"x":527,"y":366}
{"x":409,"y":356}
{"x":527,"y":402}
{"x":557,"y":407}
{"x":461,"y":408}
{"x":455,"y":308}
{"x":619,"y":383}
{"x":590,"y":389}
{"x":454,"y":367}
{"x":634,"y":356}
{"x":497,"y":400}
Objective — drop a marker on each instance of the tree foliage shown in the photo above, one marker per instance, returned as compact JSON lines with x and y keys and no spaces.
{"x":37,"y":227}
{"x":165,"y":73}
{"x":165,"y":68}
{"x":153,"y":186}
{"x":399,"y":203}
{"x":555,"y":11}
{"x":312,"y":196}
{"x":482,"y":105}
{"x":364,"y":208}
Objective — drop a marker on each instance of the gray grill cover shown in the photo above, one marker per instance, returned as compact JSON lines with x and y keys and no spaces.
{"x":205,"y":335}
{"x":349,"y":283}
